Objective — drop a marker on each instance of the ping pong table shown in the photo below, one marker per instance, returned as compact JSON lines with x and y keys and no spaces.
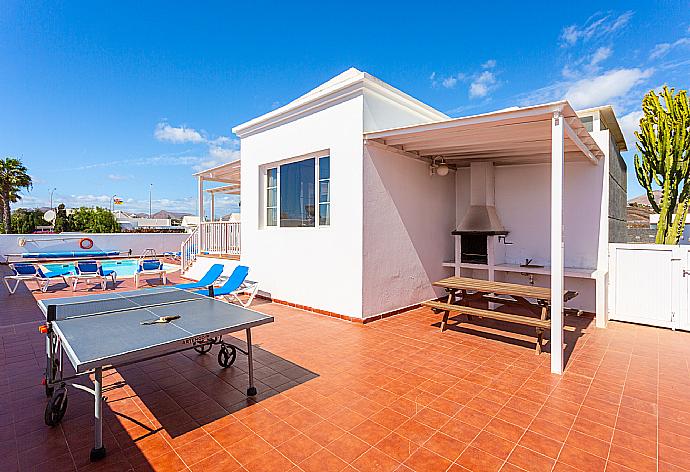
{"x":109,"y":330}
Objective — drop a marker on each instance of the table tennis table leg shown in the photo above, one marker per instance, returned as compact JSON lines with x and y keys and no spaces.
{"x":98,"y":451}
{"x":251,"y":391}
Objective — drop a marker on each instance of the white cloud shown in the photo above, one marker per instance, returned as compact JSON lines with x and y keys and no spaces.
{"x":630,"y":123}
{"x":586,"y":65}
{"x":661,"y":49}
{"x":597,"y":26}
{"x":602,"y":89}
{"x":600,"y":55}
{"x":490,"y":64}
{"x":175,"y":159}
{"x":118,"y":177}
{"x":224,"y":153}
{"x":181,"y":134}
{"x":216,"y":157}
{"x":482,"y":84}
{"x":90,"y":199}
{"x":449,"y":82}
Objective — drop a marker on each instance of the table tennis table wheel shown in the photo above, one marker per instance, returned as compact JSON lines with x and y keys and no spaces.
{"x":56,"y":407}
{"x":206,"y":346}
{"x":203,"y":348}
{"x":226,"y":357}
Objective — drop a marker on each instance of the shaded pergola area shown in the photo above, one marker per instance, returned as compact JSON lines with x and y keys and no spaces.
{"x":550,"y":133}
{"x":508,"y":137}
{"x":226,"y":174}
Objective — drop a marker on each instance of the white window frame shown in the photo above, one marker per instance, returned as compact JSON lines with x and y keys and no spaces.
{"x":318,"y":191}
{"x":264,"y":188}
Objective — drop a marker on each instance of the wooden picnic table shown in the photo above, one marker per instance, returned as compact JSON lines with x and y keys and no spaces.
{"x":464,"y":290}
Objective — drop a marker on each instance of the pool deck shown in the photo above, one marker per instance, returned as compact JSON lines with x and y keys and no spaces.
{"x":396,"y":394}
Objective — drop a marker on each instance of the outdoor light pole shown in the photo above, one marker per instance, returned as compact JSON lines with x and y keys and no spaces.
{"x":150,"y":189}
{"x":112,"y":203}
{"x":51,"y":198}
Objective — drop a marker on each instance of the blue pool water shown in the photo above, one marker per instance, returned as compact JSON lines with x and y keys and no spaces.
{"x":124,"y":267}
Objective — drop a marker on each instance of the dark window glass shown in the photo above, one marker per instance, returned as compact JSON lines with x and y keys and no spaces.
{"x":297,"y":193}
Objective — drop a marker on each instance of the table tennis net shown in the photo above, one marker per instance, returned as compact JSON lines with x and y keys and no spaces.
{"x":123,"y":303}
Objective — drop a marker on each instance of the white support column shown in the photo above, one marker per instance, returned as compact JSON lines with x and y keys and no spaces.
{"x":213,"y":206}
{"x":557,"y":165}
{"x":200,"y":201}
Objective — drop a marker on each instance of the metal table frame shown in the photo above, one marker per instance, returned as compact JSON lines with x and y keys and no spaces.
{"x":55,"y":381}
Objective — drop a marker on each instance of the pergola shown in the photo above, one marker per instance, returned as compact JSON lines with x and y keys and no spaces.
{"x":227,"y":174}
{"x":550,"y":133}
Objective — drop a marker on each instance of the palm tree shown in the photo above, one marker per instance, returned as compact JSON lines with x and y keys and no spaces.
{"x":13,"y":178}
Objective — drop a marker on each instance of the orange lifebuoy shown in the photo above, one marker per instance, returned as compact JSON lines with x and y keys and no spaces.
{"x":86,"y":243}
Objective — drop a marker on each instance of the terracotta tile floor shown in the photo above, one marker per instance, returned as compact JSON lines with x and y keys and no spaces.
{"x":393,"y":395}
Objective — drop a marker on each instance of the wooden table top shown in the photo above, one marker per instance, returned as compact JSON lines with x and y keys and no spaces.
{"x":501,"y":288}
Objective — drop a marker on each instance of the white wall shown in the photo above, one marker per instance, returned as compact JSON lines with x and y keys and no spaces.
{"x":137,"y":242}
{"x":317,"y":267}
{"x":408,"y":218}
{"x":383,"y":113}
{"x":523,"y":205}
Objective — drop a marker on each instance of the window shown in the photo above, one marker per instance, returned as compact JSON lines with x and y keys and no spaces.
{"x":291,"y":194}
{"x":271,"y":197}
{"x":324,"y":191}
{"x":297,"y":202}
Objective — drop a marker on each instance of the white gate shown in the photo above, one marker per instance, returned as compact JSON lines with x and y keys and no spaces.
{"x":649,"y":284}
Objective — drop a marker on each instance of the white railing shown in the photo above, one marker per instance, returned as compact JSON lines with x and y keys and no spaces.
{"x":217,"y":237}
{"x":220,"y":237}
{"x":189,"y":249}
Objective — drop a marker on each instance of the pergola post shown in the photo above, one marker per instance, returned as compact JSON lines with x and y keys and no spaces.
{"x":200,"y":202}
{"x":213,"y":206}
{"x":557,"y":167}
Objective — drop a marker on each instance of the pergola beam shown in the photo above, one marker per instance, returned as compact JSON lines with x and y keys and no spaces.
{"x":578,"y":142}
{"x":507,"y":156}
{"x":473,"y":139}
{"x":519,"y":115}
{"x":542,"y":147}
{"x":494,"y":129}
{"x":232,"y":189}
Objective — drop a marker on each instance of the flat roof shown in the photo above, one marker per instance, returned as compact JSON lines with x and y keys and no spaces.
{"x":344,"y":85}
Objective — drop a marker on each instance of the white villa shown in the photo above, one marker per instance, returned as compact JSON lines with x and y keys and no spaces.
{"x":356,"y":197}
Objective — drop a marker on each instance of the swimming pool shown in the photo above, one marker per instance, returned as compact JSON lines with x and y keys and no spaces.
{"x":125,"y":268}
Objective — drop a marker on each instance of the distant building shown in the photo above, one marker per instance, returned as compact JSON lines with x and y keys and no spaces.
{"x":654,"y":221}
{"x":190,"y":222}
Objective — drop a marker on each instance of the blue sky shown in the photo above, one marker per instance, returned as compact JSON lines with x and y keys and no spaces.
{"x":106,"y":98}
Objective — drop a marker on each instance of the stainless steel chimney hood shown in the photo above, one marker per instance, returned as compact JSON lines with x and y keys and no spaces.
{"x":481,"y":216}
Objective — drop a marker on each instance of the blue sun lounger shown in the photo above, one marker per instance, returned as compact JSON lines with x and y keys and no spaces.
{"x":31,"y":273}
{"x":234,"y":286}
{"x":92,"y":270}
{"x":209,"y":277}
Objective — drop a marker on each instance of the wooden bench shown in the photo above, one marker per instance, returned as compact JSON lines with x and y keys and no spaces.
{"x":447,"y":309}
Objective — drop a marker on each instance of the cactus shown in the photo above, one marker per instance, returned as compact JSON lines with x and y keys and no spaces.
{"x":664,"y":145}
